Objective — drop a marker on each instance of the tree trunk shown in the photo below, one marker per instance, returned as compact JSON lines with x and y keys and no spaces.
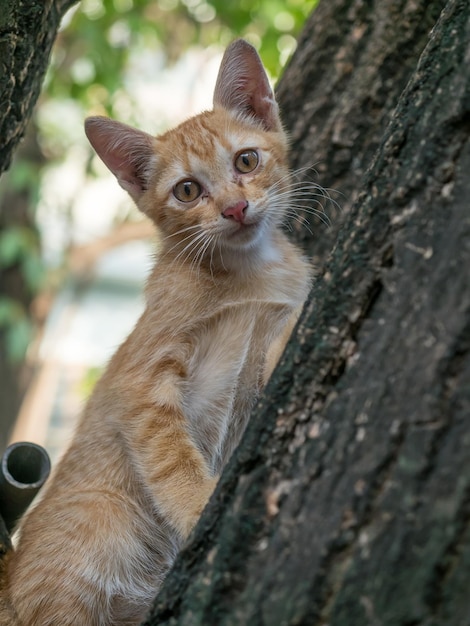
{"x":348,"y":501}
{"x":337,"y":95}
{"x":27,"y":32}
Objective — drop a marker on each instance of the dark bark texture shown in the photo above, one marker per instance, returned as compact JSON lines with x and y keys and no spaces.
{"x":27,"y":32}
{"x":353,"y":61}
{"x":348,"y":501}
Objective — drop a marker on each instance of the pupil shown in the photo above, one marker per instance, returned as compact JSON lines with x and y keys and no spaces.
{"x":246,"y":159}
{"x":187,"y":189}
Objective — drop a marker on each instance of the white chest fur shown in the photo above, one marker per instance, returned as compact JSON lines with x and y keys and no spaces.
{"x":225,"y":375}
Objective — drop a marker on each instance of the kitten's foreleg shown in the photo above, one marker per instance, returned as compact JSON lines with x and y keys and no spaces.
{"x":172,"y":467}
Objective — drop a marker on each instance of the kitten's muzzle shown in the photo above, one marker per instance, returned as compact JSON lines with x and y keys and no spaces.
{"x":236,"y":212}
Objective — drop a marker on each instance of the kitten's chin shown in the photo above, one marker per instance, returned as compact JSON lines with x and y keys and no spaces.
{"x":249,"y":246}
{"x":244,"y":235}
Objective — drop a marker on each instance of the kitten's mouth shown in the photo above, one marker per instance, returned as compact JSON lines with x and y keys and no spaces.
{"x":243,"y":233}
{"x":243,"y":228}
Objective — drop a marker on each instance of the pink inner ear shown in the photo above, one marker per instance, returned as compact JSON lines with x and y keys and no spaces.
{"x":126,"y":151}
{"x":243,"y":86}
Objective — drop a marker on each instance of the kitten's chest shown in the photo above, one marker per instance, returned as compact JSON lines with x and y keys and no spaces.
{"x":225,"y":374}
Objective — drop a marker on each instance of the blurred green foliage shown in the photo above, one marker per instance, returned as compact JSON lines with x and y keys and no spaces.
{"x":14,"y":320}
{"x":93,"y":49}
{"x":19,"y":245}
{"x":19,"y":254}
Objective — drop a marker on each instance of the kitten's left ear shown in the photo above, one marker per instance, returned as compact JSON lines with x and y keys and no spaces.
{"x":242,"y":86}
{"x":127,"y":152}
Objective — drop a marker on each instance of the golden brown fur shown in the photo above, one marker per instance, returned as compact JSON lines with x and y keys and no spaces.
{"x":174,"y":400}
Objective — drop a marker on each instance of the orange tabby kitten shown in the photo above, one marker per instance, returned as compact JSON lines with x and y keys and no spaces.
{"x":175,"y":398}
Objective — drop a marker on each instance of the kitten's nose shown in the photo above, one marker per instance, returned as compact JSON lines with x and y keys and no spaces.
{"x":236,"y":211}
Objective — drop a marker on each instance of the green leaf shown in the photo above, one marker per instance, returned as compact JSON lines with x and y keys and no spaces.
{"x":19,"y":244}
{"x":10,"y":310}
{"x":13,"y":242}
{"x":17,"y":328}
{"x":18,"y":338}
{"x":33,"y":272}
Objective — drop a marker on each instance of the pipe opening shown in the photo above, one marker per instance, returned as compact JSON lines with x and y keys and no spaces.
{"x":26,"y":464}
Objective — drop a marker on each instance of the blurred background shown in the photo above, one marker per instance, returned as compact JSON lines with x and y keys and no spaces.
{"x":74,"y":251}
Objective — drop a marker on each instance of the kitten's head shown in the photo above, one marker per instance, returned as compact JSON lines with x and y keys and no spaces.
{"x":210,"y":183}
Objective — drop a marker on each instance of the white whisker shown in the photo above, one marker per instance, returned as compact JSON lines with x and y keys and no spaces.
{"x":220,"y":254}
{"x":189,"y":248}
{"x":178,"y":244}
{"x":290,"y":196}
{"x":302,"y":221}
{"x":197,"y":260}
{"x":182,"y":230}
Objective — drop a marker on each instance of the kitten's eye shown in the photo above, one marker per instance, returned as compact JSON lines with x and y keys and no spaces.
{"x":246,"y":161}
{"x":187,"y":190}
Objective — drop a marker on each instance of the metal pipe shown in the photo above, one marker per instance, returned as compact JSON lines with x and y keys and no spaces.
{"x":24,"y":469}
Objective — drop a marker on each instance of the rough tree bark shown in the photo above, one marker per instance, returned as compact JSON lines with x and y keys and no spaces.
{"x":348,"y":501}
{"x":27,"y":32}
{"x":352,"y":62}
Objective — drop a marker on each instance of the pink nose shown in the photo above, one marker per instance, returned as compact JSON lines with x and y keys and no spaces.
{"x":236,"y":211}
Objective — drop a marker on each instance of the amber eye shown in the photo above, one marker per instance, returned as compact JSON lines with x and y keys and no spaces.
{"x":187,"y":190}
{"x":246,"y":161}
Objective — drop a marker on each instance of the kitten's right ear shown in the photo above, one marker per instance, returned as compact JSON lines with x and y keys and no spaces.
{"x":127,"y":152}
{"x":243,"y":86}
